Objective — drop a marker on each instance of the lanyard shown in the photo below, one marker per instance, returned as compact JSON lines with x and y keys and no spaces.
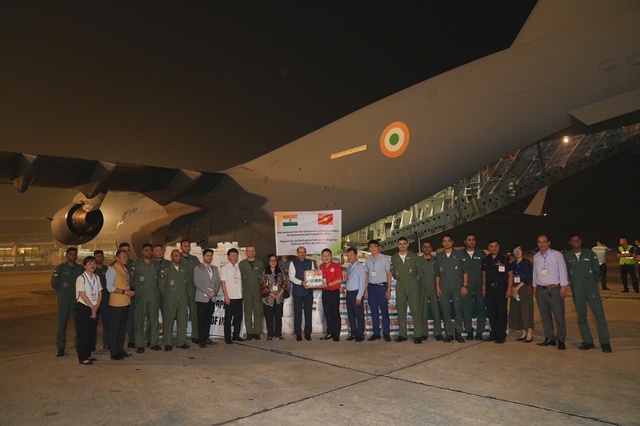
{"x":92,"y":285}
{"x":516,"y":267}
{"x":544,"y":257}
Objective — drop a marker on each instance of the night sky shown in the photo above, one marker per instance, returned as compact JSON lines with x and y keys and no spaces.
{"x":164,"y":82}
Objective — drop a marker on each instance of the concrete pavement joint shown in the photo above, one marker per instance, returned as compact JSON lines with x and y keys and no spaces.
{"x":504,"y":400}
{"x":266,"y":410}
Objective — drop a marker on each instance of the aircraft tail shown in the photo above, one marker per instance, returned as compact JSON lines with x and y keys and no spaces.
{"x":535,"y":206}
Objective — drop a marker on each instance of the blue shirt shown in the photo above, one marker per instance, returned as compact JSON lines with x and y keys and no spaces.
{"x":553,"y":262}
{"x":524,"y":270}
{"x":355,"y":279}
{"x":380,"y":266}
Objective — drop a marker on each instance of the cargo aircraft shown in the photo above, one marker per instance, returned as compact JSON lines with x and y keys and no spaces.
{"x":574,"y":65}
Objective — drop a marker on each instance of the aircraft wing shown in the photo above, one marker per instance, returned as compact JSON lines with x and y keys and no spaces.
{"x":90,"y":177}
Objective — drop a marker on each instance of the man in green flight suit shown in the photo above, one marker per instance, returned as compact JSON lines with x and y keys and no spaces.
{"x":427,"y":266}
{"x":584,"y":271}
{"x":173,"y":281}
{"x":144,"y":273}
{"x":473,"y":256}
{"x":63,"y":281}
{"x":404,"y":268}
{"x":250,"y":270}
{"x":190,"y":261}
{"x":452,"y":284}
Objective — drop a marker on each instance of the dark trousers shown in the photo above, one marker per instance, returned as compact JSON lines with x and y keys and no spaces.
{"x":550,"y":302}
{"x":118,"y":317}
{"x":377,"y":297}
{"x":603,"y":275}
{"x":355,"y":314}
{"x":205,"y":315}
{"x":85,"y":330}
{"x":496,"y":303}
{"x":631,"y":271}
{"x":232,"y":314}
{"x":301,"y":303}
{"x":273,"y":317}
{"x":331,"y":307}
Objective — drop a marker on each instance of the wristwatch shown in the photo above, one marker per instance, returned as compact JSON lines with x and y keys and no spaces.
{"x":123,"y":292}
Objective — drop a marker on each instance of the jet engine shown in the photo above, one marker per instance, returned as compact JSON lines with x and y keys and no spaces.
{"x":75,"y":224}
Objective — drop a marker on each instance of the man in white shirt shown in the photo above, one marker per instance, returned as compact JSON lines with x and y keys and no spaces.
{"x":232,"y":289}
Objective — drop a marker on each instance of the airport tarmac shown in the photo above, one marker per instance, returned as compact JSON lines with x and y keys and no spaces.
{"x":288,"y":382}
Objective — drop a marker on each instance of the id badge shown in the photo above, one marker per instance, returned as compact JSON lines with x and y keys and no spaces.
{"x":501,"y":268}
{"x":516,"y":279}
{"x":374,"y":273}
{"x":274,"y":289}
{"x":543,"y":272}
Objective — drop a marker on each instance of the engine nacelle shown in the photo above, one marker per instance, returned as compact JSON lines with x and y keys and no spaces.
{"x":74,"y":225}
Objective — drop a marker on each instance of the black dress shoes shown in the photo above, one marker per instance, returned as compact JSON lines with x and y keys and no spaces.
{"x":238,"y":339}
{"x":387,"y":338}
{"x":439,"y":338}
{"x":491,"y":338}
{"x":469,"y":336}
{"x":125,"y":354}
{"x":131,"y":345}
{"x":140,"y":350}
{"x":117,"y":357}
{"x":185,"y":346}
{"x":249,"y":337}
{"x":359,"y":339}
{"x":202,"y":345}
{"x":211,"y":342}
{"x":336,"y":338}
{"x":500,"y":341}
{"x":373,"y":337}
{"x":351,"y":338}
{"x":586,"y":346}
{"x":156,"y":348}
{"x":547,"y":342}
{"x":425,"y":337}
{"x":168,"y":348}
{"x":400,"y":339}
{"x":298,"y":338}
{"x":448,"y":339}
{"x":606,"y":348}
{"x":326,"y":337}
{"x":561,"y":345}
{"x":196,"y":341}
{"x":60,"y":352}
{"x":228,"y":341}
{"x":307,"y":337}
{"x":256,"y":336}
{"x":417,"y":340}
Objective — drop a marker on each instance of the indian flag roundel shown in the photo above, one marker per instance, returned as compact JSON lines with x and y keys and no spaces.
{"x":394,"y":139}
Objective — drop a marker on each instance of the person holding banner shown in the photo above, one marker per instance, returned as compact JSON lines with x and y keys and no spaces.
{"x":332,"y":274}
{"x":273,"y":284}
{"x":302,"y":295}
{"x":207,"y":282}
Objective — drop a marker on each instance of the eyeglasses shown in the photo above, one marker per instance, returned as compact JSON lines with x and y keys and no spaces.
{"x":273,"y":260}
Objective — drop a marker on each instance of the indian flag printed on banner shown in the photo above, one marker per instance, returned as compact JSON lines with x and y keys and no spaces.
{"x":394,"y":139}
{"x":290,"y":220}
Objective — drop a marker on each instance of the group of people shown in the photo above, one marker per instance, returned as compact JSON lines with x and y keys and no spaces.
{"x":448,"y":286}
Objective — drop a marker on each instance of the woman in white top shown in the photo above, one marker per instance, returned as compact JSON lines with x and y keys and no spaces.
{"x":89,"y":296}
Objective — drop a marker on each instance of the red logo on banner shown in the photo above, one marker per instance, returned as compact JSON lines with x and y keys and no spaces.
{"x":325,"y":219}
